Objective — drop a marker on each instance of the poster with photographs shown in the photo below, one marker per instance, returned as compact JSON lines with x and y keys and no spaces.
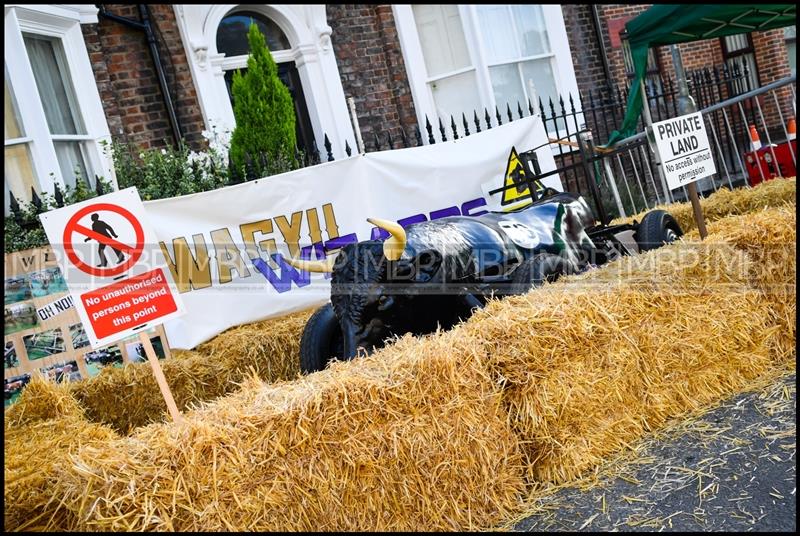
{"x":11,"y":355}
{"x":20,"y":317}
{"x":44,"y":343}
{"x":14,"y":386}
{"x":43,"y":334}
{"x":18,"y":289}
{"x":47,"y":282}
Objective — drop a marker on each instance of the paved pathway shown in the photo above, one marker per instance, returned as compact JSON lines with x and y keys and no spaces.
{"x":731,"y":469}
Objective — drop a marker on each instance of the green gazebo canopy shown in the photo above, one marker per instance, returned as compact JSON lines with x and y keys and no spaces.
{"x":670,"y":24}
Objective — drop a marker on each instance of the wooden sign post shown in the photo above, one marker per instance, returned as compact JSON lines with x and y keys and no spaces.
{"x":160,"y":379}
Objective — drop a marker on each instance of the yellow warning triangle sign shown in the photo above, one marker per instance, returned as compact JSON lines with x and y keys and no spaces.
{"x":515,"y":186}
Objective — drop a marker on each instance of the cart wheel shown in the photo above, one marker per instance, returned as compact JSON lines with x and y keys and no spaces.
{"x":656,"y":229}
{"x":321,"y":341}
{"x":533,"y":272}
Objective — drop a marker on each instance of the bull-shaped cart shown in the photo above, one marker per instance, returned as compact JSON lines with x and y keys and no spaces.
{"x":433,"y":274}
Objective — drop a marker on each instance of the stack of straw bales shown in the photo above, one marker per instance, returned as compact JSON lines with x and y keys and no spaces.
{"x":41,"y":431}
{"x":725,"y":202}
{"x":129,"y":397}
{"x":591,"y":364}
{"x":411,"y":438}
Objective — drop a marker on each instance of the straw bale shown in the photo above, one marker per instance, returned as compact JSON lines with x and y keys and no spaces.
{"x":41,"y":431}
{"x":413,"y":437}
{"x":42,"y":400}
{"x":128,"y":397}
{"x":725,"y":202}
{"x":769,"y":237}
{"x":591,"y":364}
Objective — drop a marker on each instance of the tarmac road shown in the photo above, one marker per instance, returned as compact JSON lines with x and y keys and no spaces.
{"x":731,"y":469}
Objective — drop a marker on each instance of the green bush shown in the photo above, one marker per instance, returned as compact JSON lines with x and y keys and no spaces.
{"x":263,"y":142}
{"x":25,"y":231}
{"x":158,"y":174}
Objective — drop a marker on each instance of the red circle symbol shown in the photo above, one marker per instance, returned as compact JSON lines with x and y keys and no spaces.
{"x":134,"y":252}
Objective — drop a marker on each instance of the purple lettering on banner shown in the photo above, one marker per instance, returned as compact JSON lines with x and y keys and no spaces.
{"x":340,"y":241}
{"x":378,"y":234}
{"x":443,"y":213}
{"x":416,"y":218}
{"x":475,"y":203}
{"x":288,"y":274}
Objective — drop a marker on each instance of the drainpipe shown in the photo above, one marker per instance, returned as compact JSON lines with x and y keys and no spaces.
{"x":146,"y":26}
{"x":602,"y":43}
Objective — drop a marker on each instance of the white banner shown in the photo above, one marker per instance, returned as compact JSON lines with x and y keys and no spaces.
{"x":226,"y":247}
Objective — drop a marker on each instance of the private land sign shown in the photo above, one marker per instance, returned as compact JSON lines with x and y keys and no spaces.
{"x":682,"y":144}
{"x":113,"y":266}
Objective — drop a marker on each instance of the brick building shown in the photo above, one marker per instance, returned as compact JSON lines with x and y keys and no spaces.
{"x":76,"y":75}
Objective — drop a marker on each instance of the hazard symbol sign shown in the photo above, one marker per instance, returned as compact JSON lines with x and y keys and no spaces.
{"x":515,"y":186}
{"x":511,"y":190}
{"x":113,"y":266}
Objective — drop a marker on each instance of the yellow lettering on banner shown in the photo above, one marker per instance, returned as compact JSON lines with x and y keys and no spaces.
{"x":330,"y":221}
{"x":248,"y":235}
{"x":189,"y":273}
{"x":314,"y":232}
{"x":269,"y":246}
{"x":228,"y":257}
{"x":291,"y":232}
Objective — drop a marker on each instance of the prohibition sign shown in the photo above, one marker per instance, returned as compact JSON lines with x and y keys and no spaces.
{"x":134,"y":252}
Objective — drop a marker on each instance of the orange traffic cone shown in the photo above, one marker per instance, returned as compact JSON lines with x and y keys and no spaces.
{"x":754,"y":139}
{"x":791,"y":128}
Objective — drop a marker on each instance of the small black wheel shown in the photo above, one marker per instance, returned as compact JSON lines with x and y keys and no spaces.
{"x":322,"y":340}
{"x":533,"y":272}
{"x":656,"y":229}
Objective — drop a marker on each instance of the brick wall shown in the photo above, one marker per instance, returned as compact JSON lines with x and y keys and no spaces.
{"x":586,"y":54}
{"x":128,"y":84}
{"x":772,"y":58}
{"x":372,"y":69}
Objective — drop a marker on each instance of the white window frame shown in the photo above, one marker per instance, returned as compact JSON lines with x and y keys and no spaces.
{"x":62,"y":23}
{"x":309,"y":35}
{"x":563,"y":69}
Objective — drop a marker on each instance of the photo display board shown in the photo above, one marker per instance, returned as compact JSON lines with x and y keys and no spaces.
{"x":44,"y":334}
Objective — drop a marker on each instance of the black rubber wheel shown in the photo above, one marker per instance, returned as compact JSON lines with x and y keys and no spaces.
{"x":656,"y":229}
{"x":533,"y":272}
{"x":321,"y":340}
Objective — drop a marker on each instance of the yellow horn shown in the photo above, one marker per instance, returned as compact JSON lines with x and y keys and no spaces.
{"x":394,"y":245}
{"x":325,"y":266}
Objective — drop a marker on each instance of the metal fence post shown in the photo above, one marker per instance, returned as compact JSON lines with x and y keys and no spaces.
{"x":586,"y":148}
{"x":359,"y":142}
{"x":648,"y":120}
{"x":614,"y":191}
